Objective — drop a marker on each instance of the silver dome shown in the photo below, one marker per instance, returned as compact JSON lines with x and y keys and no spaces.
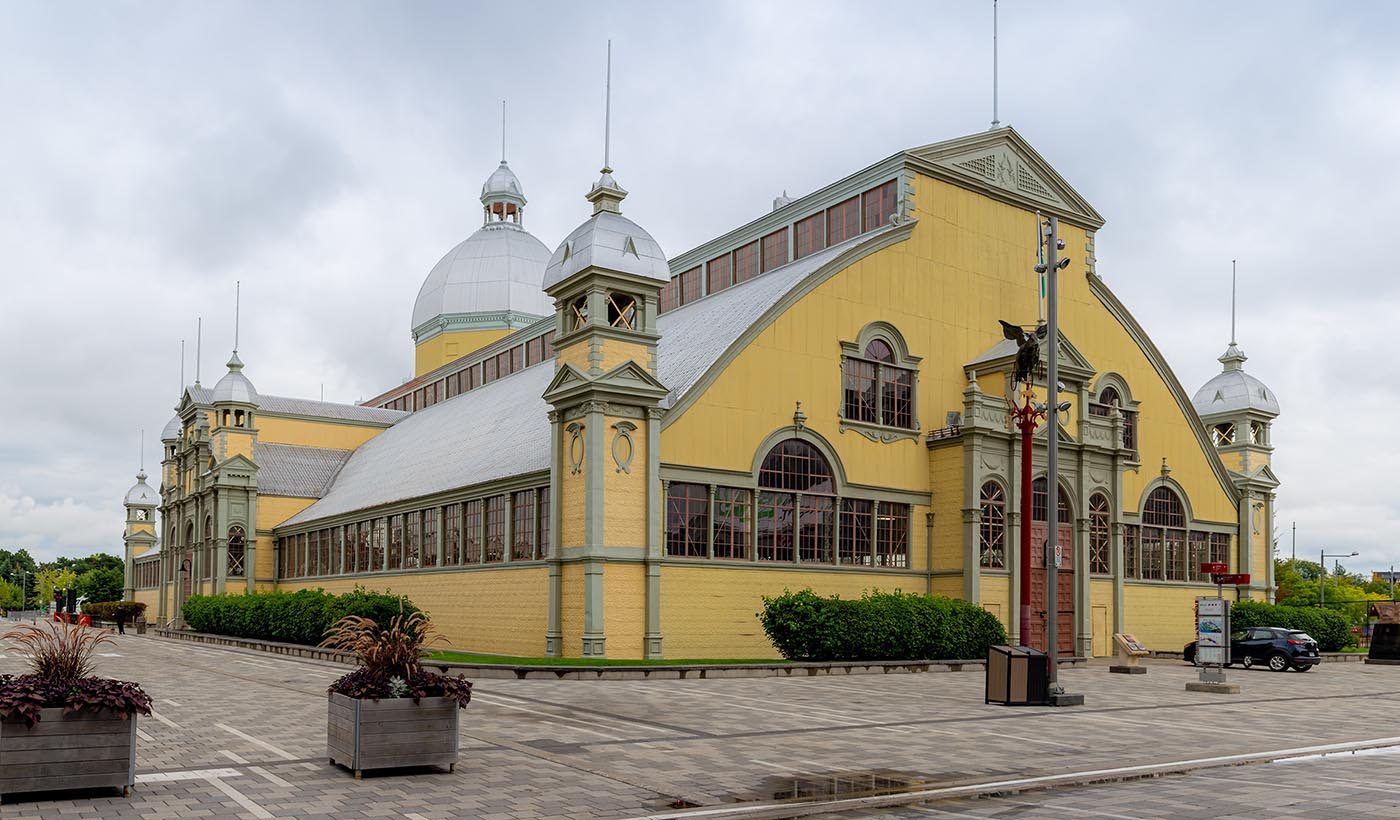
{"x":234,"y":386}
{"x":142,"y":494}
{"x":1234,"y":390}
{"x":608,"y":240}
{"x":498,"y":268}
{"x":171,"y":432}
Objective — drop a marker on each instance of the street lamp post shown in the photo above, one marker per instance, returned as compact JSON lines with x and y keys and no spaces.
{"x":1322,"y":579}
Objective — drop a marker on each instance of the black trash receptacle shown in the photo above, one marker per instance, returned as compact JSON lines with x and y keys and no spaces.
{"x":1017,"y":676}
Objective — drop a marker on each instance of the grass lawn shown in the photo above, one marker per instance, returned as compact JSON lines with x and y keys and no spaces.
{"x":467,"y":657}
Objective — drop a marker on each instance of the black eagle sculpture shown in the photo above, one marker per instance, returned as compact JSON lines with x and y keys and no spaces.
{"x":1027,"y":349}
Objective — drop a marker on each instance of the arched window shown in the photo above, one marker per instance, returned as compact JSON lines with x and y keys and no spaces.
{"x":992,"y":529}
{"x":237,"y":548}
{"x":796,"y":467}
{"x":1164,"y":536}
{"x":1100,"y":553}
{"x":1040,"y":502}
{"x":878,"y":382}
{"x":1108,"y":398}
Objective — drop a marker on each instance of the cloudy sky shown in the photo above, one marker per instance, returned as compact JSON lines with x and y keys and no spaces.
{"x":328,"y":153}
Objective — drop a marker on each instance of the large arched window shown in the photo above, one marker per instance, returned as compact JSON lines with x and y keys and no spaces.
{"x":795,"y":469}
{"x":1040,"y":502}
{"x":1164,"y":536}
{"x":1100,"y":553}
{"x":992,"y":528}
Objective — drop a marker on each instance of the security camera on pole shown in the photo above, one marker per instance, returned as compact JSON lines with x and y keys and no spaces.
{"x":1052,"y":266}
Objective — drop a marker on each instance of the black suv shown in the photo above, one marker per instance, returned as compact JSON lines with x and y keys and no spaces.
{"x":1278,"y":648}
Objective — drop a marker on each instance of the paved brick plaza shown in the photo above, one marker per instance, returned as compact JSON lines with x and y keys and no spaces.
{"x":243,"y":734}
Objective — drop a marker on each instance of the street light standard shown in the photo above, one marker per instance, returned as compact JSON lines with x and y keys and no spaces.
{"x":1322,"y":579}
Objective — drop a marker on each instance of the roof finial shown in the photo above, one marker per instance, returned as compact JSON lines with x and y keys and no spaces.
{"x":237,"y":294}
{"x":607,"y":113}
{"x":606,"y":194}
{"x":996,"y":123}
{"x":503,"y":132}
{"x":1232,"y":301}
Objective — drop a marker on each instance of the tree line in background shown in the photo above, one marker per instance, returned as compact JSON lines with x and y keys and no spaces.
{"x":1349,"y":594}
{"x":27,"y":584}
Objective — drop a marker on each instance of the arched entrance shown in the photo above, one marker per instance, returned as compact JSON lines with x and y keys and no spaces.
{"x":1064,"y":578}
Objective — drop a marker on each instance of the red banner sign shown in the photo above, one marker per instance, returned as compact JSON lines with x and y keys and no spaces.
{"x":1229,"y":580}
{"x":1211,"y":568}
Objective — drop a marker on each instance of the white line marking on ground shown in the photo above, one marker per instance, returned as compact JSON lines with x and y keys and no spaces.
{"x":198,"y":774}
{"x":282,"y":753}
{"x":241,"y":799}
{"x":1060,"y":807}
{"x":412,"y":816}
{"x":1035,"y":740}
{"x":172,"y":703}
{"x":163,"y":719}
{"x":536,"y":711}
{"x":926,"y":810}
{"x":1224,"y":779}
{"x":109,"y":654}
{"x":141,"y":733}
{"x":775,"y":766}
{"x":257,"y":770}
{"x":534,"y":707}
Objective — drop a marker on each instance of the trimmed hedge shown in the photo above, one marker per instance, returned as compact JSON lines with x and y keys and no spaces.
{"x":1329,"y":628}
{"x":287,"y":617}
{"x":107,"y":610}
{"x":879,"y":626}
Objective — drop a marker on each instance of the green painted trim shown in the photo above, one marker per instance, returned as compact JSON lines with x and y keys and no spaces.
{"x":523,"y":481}
{"x":1159,"y":363}
{"x":416,"y":571}
{"x":876,"y":241}
{"x":445,"y":323}
{"x":475,"y":357}
{"x":750,"y":566}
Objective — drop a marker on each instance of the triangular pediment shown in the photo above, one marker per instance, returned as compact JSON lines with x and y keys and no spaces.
{"x":1003,"y":165}
{"x":1001,"y":357}
{"x":567,"y":376}
{"x":631,"y":375}
{"x":1263,"y":477}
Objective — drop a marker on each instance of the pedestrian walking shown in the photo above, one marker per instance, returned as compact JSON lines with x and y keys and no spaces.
{"x":121,"y":620}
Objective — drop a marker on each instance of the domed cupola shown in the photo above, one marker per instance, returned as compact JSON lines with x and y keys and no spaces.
{"x":607,"y":241}
{"x":234,"y":387}
{"x":485,"y":287}
{"x":142,"y":494}
{"x":1233,"y":390}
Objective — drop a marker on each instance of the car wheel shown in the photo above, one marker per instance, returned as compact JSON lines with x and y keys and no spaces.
{"x":1246,"y":661}
{"x":1189,"y":656}
{"x":1303,"y":667}
{"x":1278,"y":662}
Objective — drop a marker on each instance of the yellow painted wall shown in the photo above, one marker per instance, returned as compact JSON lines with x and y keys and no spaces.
{"x":571,"y":609}
{"x":614,"y":353}
{"x":274,"y":509}
{"x":228,"y":442}
{"x":1101,"y":596}
{"x":572,"y":490}
{"x":625,"y":493}
{"x":141,"y":526}
{"x":151,"y":598}
{"x":711,"y":612}
{"x":946,"y":483}
{"x":625,"y":609}
{"x":996,"y":597}
{"x":500,"y":611}
{"x":445,"y":347}
{"x":1162,"y":617}
{"x":336,"y":435}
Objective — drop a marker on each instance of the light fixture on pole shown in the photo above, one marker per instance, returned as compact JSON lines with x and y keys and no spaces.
{"x":1322,"y":579}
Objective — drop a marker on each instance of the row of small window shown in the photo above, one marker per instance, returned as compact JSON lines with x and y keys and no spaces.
{"x":495,"y":529}
{"x":875,"y":390}
{"x":527,"y":354}
{"x":146,"y":574}
{"x":784,"y":527}
{"x":1223,"y":435}
{"x":1170,"y":554}
{"x":859,"y":214}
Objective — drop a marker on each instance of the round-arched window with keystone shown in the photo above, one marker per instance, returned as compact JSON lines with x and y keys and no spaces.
{"x":622,"y":311}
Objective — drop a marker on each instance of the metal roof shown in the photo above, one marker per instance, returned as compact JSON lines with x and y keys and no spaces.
{"x":1234,"y":390}
{"x":498,"y":268}
{"x":329,"y":410}
{"x":171,"y":430}
{"x":291,"y":470}
{"x":234,"y":386}
{"x":502,"y":185}
{"x":141,"y":493}
{"x":607,"y":240}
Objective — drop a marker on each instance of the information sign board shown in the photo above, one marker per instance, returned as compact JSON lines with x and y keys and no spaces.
{"x":1212,"y":631}
{"x":1231,"y":579}
{"x":1213,"y":567}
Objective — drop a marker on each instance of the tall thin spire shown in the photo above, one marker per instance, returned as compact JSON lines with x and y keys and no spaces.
{"x":237,"y":297}
{"x":198,"y":346}
{"x":503,"y":131}
{"x":996,"y":123}
{"x":607,"y":113}
{"x":143,"y":449}
{"x":182,"y":365}
{"x":1232,"y":301}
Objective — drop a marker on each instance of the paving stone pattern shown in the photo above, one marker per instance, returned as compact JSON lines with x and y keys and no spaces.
{"x":242,"y":734}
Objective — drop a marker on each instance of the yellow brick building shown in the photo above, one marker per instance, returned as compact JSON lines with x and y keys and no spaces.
{"x":611,"y":452}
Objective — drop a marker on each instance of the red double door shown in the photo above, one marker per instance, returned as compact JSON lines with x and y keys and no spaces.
{"x":1064,"y":588}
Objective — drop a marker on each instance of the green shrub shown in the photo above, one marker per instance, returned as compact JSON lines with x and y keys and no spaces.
{"x":1329,"y":628}
{"x":878,"y":626}
{"x":107,"y":610}
{"x":299,"y":617}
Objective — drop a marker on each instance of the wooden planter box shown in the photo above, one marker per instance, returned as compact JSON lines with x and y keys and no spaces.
{"x":84,"y":750}
{"x":365,"y":734}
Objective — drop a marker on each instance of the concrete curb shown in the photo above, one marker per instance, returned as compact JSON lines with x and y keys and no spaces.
{"x":663,"y":672}
{"x":807,"y":808}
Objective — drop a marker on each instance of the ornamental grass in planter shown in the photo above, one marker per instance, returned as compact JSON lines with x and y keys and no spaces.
{"x":61,"y":727}
{"x":390,"y":712}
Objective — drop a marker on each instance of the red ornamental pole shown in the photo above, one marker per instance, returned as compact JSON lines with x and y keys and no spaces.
{"x":1025,"y":417}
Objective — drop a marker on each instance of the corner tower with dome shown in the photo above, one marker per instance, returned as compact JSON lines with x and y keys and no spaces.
{"x":485,"y":287}
{"x":1239,"y":410}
